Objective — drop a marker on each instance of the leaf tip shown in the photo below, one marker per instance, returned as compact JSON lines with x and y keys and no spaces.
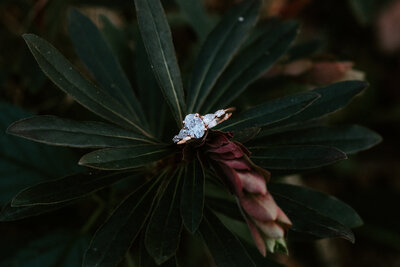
{"x":339,"y":153}
{"x":350,"y":236}
{"x":11,"y":129}
{"x":17,"y":202}
{"x":82,"y":161}
{"x":376,"y":138}
{"x":28,"y":37}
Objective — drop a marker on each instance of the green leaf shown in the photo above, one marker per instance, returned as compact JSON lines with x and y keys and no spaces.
{"x":192,"y":200}
{"x":196,"y":15}
{"x":101,"y":62}
{"x":219,"y":49}
{"x":149,"y":90}
{"x":9,"y":213}
{"x":71,"y":81}
{"x":20,"y":165}
{"x":333,"y":97}
{"x":145,"y":260}
{"x":68,"y":188}
{"x":251,"y":63}
{"x":157,"y":39}
{"x":115,"y":236}
{"x":295,"y":157}
{"x":124,"y":158}
{"x":245,"y":135}
{"x":226,"y":206}
{"x":225,"y":248}
{"x":310,"y":222}
{"x":238,"y":227}
{"x":270,"y":112}
{"x":62,"y":132}
{"x":349,"y":139}
{"x":60,"y":248}
{"x":164,"y":229}
{"x":117,"y":39}
{"x":324,"y":204}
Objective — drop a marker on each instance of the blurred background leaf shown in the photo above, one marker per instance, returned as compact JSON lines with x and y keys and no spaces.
{"x":24,"y":163}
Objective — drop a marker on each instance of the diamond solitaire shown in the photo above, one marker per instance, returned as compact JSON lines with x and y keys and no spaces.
{"x":195,"y":125}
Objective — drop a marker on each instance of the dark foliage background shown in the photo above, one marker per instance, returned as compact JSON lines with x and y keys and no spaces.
{"x":361,"y":31}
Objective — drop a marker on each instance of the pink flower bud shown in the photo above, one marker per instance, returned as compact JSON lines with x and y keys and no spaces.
{"x":267,"y":222}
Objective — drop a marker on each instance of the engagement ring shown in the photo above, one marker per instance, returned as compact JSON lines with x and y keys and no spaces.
{"x":196,"y":125}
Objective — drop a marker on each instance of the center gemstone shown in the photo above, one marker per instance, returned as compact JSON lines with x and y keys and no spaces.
{"x":194,"y":125}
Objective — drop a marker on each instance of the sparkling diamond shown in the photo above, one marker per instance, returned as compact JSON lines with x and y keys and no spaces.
{"x":194,"y":125}
{"x":220,"y":113}
{"x":182,"y":134}
{"x":210,"y":120}
{"x":176,"y":139}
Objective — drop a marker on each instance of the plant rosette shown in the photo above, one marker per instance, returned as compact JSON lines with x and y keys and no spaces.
{"x":211,"y":180}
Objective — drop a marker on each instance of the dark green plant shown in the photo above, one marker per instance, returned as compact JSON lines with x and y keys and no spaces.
{"x":179,"y":191}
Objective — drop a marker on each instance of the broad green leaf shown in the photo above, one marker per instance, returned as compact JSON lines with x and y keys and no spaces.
{"x":349,"y":139}
{"x":238,"y":227}
{"x":324,"y":204}
{"x":295,"y":157}
{"x":218,"y":50}
{"x":117,"y":38}
{"x":196,"y":15}
{"x":68,"y":188}
{"x":149,"y":91}
{"x":164,"y":229}
{"x":157,"y":39}
{"x":245,"y":135}
{"x":124,"y":158}
{"x":310,"y":222}
{"x":192,"y":200}
{"x":62,"y":132}
{"x":101,"y":62}
{"x":71,"y":81}
{"x":60,"y":248}
{"x":115,"y":236}
{"x":24,"y":163}
{"x":145,"y":260}
{"x":191,"y":252}
{"x":226,"y":205}
{"x":333,"y":97}
{"x":250,"y":64}
{"x":270,"y":112}
{"x":9,"y":213}
{"x":225,"y":248}
{"x":261,"y":29}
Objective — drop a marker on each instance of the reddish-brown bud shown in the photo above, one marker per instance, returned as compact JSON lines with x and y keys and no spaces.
{"x":267,"y":222}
